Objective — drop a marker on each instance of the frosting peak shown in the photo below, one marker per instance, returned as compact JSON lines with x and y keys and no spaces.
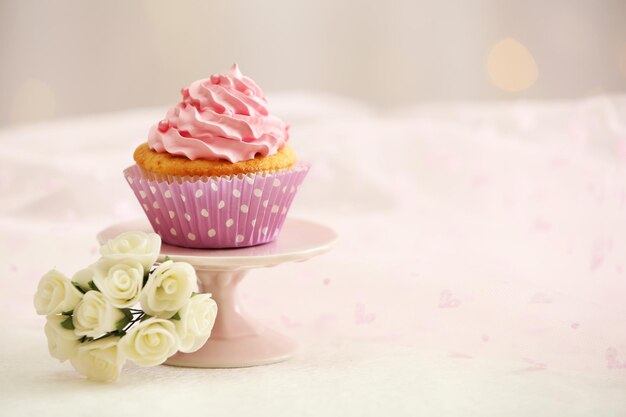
{"x":225,"y":117}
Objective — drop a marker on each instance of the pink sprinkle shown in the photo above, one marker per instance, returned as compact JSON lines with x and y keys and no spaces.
{"x":249,"y":92}
{"x":164,"y":125}
{"x":326,"y":281}
{"x":215,"y":79}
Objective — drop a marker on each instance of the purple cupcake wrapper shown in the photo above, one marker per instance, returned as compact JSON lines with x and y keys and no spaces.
{"x":217,"y":212}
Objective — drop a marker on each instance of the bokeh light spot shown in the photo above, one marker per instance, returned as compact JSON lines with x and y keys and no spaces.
{"x":511,"y":66}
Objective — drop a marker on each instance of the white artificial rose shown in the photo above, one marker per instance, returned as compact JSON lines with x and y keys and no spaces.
{"x":83,"y":277}
{"x":197,"y":318}
{"x":150,"y":342}
{"x":168,"y":289}
{"x":55,"y":294}
{"x":62,"y":342}
{"x":119,"y":281}
{"x":140,"y":246}
{"x":99,"y":360}
{"x":95,"y":315}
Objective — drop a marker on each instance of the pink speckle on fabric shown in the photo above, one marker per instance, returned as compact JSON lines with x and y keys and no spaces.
{"x":362,"y":316}
{"x":446,"y":300}
{"x":612,"y":360}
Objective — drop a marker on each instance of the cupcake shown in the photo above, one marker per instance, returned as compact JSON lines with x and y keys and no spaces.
{"x":217,"y":171}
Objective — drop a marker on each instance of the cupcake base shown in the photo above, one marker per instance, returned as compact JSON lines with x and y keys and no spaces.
{"x":217,"y":212}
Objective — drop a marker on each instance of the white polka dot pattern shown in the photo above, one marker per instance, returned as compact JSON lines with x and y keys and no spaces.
{"x":218,"y":213}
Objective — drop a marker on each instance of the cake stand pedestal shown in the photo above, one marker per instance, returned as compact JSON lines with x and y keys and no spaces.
{"x":237,"y":340}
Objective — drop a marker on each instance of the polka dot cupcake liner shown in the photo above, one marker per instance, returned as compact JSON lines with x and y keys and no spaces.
{"x":217,"y":212}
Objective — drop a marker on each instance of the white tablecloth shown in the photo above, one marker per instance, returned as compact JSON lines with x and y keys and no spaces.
{"x":481,"y":268}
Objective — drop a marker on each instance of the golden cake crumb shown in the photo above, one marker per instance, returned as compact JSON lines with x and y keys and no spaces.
{"x":166,"y":164}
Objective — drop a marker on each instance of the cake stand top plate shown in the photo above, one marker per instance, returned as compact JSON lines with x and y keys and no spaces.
{"x":299,"y":240}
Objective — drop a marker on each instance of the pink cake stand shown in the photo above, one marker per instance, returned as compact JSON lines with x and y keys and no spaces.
{"x":237,"y":339}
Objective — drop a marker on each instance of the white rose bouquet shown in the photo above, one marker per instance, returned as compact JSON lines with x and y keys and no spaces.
{"x":92,"y":319}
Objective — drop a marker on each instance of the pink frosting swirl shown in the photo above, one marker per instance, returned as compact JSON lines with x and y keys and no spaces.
{"x":221,"y":117}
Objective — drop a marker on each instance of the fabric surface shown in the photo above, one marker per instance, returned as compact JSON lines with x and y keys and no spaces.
{"x":480,"y":269}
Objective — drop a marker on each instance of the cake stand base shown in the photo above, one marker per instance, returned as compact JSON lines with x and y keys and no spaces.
{"x":261,"y":349}
{"x":237,"y":340}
